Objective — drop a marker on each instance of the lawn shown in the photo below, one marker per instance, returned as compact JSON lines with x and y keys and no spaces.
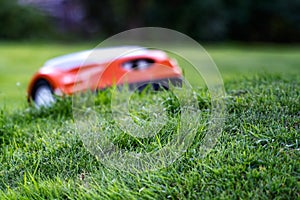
{"x":256,"y":157}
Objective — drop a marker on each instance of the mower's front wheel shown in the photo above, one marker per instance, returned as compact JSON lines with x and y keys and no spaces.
{"x":42,"y":94}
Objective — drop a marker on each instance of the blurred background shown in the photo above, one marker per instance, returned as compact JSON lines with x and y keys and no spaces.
{"x":203,"y":20}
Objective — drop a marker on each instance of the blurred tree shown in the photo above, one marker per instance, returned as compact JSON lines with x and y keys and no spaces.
{"x":264,"y":20}
{"x":250,"y":20}
{"x":204,"y":20}
{"x":112,"y":16}
{"x":247,"y":20}
{"x":18,"y":22}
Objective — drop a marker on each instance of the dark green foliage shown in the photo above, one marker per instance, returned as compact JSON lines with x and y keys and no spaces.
{"x":214,"y":20}
{"x":266,"y":20}
{"x":20,"y":22}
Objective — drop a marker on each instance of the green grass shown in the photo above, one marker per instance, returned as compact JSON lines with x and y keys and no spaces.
{"x":256,"y":157}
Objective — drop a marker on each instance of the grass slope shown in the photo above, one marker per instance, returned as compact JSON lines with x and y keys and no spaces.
{"x":257,"y":155}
